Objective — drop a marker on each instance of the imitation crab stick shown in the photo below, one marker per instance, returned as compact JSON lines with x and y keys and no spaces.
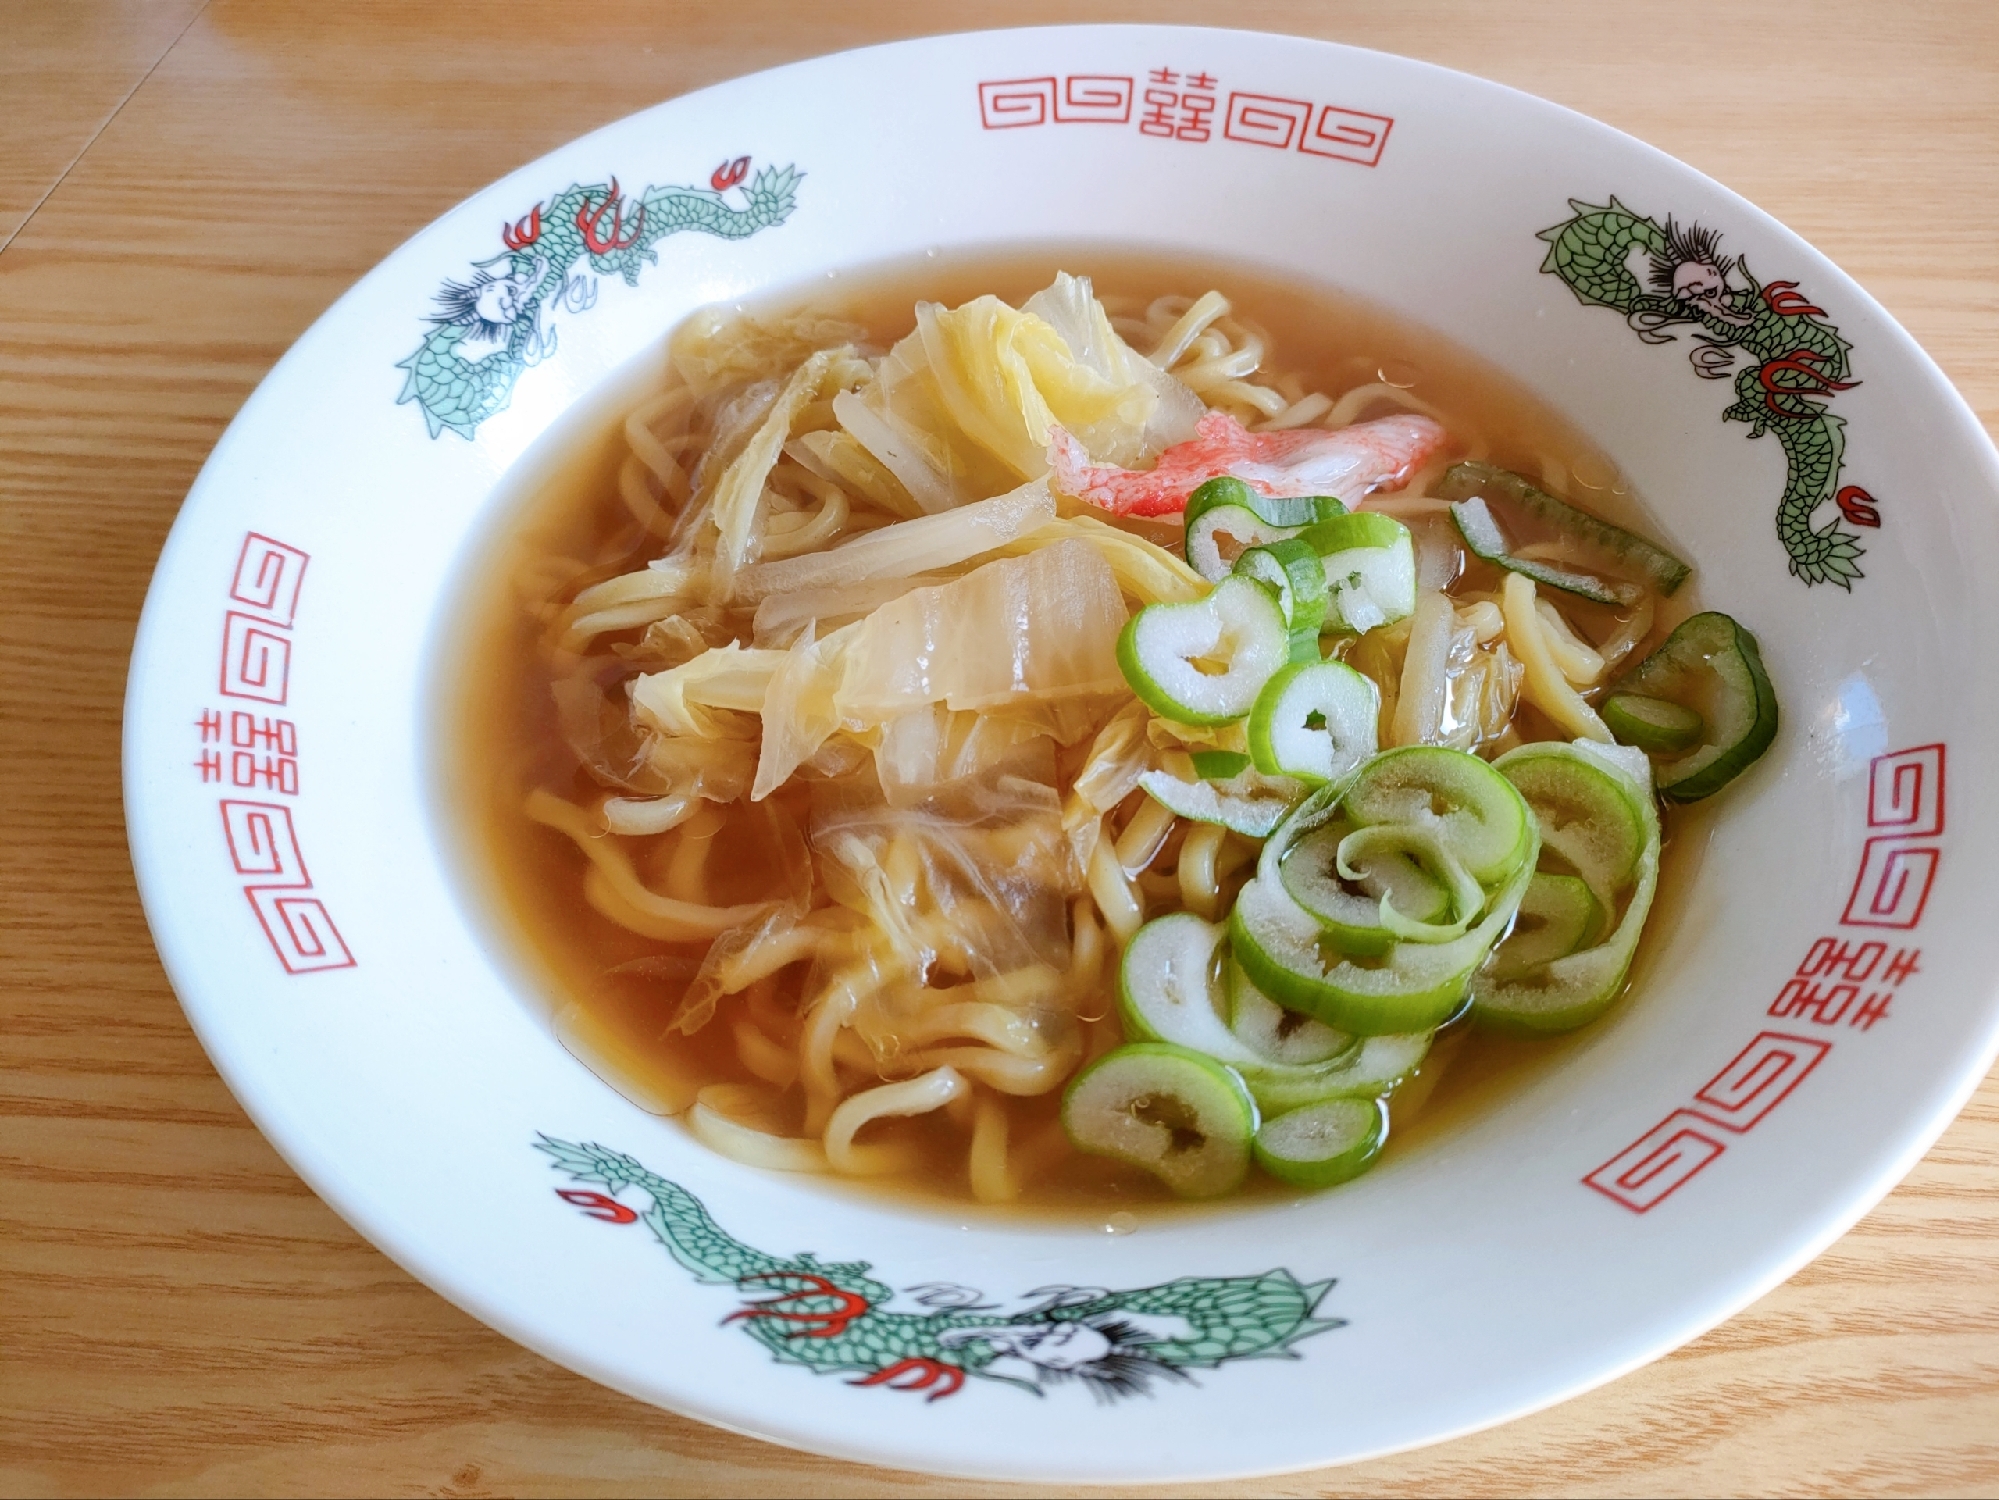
{"x":1348,"y":463}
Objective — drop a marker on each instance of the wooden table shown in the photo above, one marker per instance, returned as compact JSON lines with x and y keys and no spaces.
{"x":184,"y":186}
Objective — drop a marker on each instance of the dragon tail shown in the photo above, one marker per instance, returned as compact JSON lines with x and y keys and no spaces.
{"x":1813,"y":442}
{"x":676,"y":1218}
{"x":1590,"y":251}
{"x":772,"y":193}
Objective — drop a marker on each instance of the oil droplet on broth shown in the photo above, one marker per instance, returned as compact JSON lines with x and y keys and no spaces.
{"x":1121,"y":1222}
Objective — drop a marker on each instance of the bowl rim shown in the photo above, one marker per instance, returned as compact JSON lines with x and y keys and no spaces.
{"x":335,"y":1183}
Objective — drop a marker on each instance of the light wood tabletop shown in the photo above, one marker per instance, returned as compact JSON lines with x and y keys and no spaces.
{"x":186,"y":184}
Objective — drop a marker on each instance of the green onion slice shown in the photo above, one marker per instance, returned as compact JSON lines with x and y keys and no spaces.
{"x":1563,"y":993}
{"x":1370,"y":564}
{"x":1181,"y":1116}
{"x":1226,"y":508}
{"x":1249,"y":802}
{"x":1204,"y":661}
{"x":1316,"y":721}
{"x":1323,"y":1144}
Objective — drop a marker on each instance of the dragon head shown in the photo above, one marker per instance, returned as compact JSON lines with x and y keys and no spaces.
{"x":1111,"y":1355}
{"x":489,"y":305}
{"x":1692,"y":271}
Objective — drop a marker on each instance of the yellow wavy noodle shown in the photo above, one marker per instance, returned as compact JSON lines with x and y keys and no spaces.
{"x":937,"y":962}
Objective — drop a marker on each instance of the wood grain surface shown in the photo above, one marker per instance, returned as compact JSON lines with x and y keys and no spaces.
{"x":187,"y":186}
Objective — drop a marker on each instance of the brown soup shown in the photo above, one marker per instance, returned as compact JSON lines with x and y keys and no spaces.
{"x":612,"y":992}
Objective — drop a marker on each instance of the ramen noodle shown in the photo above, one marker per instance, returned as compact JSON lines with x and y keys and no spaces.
{"x":1074,"y":746}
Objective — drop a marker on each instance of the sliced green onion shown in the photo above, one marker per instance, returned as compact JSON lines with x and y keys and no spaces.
{"x":1166,"y":988}
{"x":1631,"y":552}
{"x":1292,"y":570}
{"x":1711,"y":667}
{"x":1586,"y":811}
{"x":1181,"y":1116}
{"x":1323,"y":1144}
{"x":1652,"y":724}
{"x":1557,"y":916}
{"x":1219,"y":765}
{"x":1370,"y":563}
{"x":1316,"y":721}
{"x":1373,"y":887}
{"x":1367,"y":851}
{"x":1573,"y":990}
{"x":1274,"y":510}
{"x":1227,"y":507}
{"x":1376,"y":1066}
{"x":1280,"y":1037}
{"x":1476,"y":811}
{"x":1483,"y":536}
{"x":1236,"y":631}
{"x":1248,"y":803}
{"x":1412,"y":987}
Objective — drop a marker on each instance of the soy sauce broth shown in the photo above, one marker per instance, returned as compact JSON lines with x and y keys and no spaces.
{"x":608,"y":991}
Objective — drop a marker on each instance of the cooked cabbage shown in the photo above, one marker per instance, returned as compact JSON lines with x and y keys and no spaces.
{"x":962,"y":408}
{"x":1043,"y":626}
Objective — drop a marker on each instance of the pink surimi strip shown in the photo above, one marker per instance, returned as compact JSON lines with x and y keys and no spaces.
{"x":1349,"y":463}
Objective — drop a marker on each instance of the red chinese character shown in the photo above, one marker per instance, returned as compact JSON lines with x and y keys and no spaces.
{"x":1158,"y":118}
{"x":1873,"y":1008}
{"x":210,"y":766}
{"x":210,"y":724}
{"x":1830,"y":956}
{"x":249,"y":731}
{"x":1902,"y":965}
{"x":1201,"y":81}
{"x":277,"y":773}
{"x":1800,"y":998}
{"x":1165,"y":75}
{"x":1195,"y":113}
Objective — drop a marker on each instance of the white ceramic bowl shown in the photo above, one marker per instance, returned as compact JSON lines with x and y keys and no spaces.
{"x":1824,"y":1005}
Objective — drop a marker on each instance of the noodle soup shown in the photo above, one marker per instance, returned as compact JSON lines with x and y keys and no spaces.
{"x":808,"y":759}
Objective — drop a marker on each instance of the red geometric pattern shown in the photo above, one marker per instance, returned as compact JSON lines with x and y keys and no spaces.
{"x":268,"y":577}
{"x":1094,"y":99}
{"x":263,"y":846}
{"x":1893,"y":885}
{"x":1905,"y":802}
{"x":1656,"y":1165}
{"x":262,"y":755}
{"x":1349,"y":135}
{"x":1013,"y":103}
{"x":1839,"y":981}
{"x":1265,"y":120}
{"x":1760,"y":1077}
{"x":1181,"y":105}
{"x":256,"y":659}
{"x":1905,"y":792}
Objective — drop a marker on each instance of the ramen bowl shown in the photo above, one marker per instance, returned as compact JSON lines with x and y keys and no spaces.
{"x":1815,"y":1006}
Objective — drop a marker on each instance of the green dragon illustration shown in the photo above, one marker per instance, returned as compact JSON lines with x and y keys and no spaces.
{"x":1797,"y":357}
{"x":490,"y":328}
{"x":835,"y":1318}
